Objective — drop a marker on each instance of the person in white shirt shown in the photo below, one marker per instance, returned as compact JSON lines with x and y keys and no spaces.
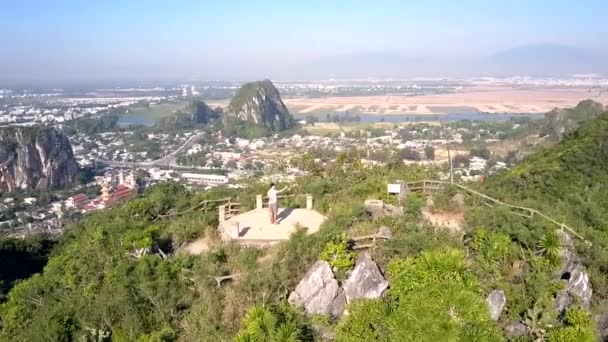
{"x":273,"y":203}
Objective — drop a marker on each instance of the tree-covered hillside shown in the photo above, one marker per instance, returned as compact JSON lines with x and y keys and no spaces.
{"x":570,"y":182}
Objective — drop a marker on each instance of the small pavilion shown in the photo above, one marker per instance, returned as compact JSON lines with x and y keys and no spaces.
{"x":254,"y":228}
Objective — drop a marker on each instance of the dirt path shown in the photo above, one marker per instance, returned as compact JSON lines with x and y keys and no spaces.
{"x":451,"y":221}
{"x":197,"y":247}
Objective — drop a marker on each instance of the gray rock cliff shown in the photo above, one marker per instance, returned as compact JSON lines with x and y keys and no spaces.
{"x":260,"y":103}
{"x":35,"y":158}
{"x":578,"y":285}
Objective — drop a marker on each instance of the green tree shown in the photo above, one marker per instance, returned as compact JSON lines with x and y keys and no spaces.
{"x":429,"y":152}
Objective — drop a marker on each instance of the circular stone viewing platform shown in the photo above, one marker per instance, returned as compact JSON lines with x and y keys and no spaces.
{"x":254,"y":227}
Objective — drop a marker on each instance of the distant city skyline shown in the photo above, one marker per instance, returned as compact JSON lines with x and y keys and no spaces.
{"x":63,"y":41}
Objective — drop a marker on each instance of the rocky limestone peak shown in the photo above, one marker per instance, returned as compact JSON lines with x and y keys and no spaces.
{"x":561,"y":121}
{"x":260,"y":103}
{"x":200,"y":112}
{"x":35,"y":158}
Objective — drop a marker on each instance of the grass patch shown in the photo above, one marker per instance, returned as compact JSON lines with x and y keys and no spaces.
{"x":156,"y":111}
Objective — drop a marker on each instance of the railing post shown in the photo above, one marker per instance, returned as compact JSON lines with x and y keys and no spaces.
{"x":222,"y":213}
{"x":259,"y":204}
{"x":234,"y":227}
{"x":309,"y":202}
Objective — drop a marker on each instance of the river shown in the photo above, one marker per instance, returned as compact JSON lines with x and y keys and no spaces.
{"x":473,"y":116}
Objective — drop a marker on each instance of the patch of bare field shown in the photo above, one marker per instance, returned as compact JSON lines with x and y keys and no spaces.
{"x":495,"y":99}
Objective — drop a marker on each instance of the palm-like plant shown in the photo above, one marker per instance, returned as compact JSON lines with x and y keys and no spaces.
{"x":550,"y":246}
{"x":262,"y":325}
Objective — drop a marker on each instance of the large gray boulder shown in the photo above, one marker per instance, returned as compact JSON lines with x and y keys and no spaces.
{"x":377,"y":209}
{"x":516,"y":329}
{"x":496,"y":302}
{"x":384,"y":232}
{"x":318,"y":292}
{"x":574,"y":274}
{"x":365,"y":281}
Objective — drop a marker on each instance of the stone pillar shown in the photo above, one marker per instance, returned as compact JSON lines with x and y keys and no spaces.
{"x":259,"y":204}
{"x":309,"y":202}
{"x":234,"y":229}
{"x":222,"y":213}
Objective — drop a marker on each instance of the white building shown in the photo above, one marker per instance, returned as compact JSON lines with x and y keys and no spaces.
{"x":206,"y":179}
{"x":477,"y":163}
{"x":227,"y":155}
{"x":29,"y":201}
{"x":196,"y":148}
{"x":242,"y":143}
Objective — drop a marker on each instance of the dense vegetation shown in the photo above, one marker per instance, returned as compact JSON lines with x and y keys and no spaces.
{"x":93,"y":125}
{"x":570,"y":182}
{"x":20,"y":258}
{"x":195,"y":114}
{"x":109,"y":279}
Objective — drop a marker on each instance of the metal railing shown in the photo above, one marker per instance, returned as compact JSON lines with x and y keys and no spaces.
{"x":429,"y":186}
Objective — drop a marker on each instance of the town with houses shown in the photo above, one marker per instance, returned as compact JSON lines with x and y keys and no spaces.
{"x":126,"y":160}
{"x":228,"y":161}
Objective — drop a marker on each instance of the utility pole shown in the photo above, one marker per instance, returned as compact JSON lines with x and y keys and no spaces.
{"x":447,"y":144}
{"x":450,"y":161}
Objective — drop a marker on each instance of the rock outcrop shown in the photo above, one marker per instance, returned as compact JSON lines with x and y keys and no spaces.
{"x":199,"y":112}
{"x":365,"y":281}
{"x":573,"y":272}
{"x":35,"y":158}
{"x":517,"y":329}
{"x":377,"y":209}
{"x":260,"y":103}
{"x":496,"y":302}
{"x":562,"y":121}
{"x":318,"y":292}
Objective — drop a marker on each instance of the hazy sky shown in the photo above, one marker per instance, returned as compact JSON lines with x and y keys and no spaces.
{"x":88,"y":39}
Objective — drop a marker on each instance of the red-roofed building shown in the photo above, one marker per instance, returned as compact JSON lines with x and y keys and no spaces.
{"x":77,"y":201}
{"x":122,"y":192}
{"x":111,"y":196}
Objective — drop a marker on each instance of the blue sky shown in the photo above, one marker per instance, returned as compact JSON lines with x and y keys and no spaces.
{"x":55,"y":39}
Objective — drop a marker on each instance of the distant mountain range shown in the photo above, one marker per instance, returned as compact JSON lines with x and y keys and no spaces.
{"x":546,"y":60}
{"x":533,"y":60}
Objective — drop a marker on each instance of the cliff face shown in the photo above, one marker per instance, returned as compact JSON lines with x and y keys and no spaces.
{"x":35,"y":158}
{"x":561,"y":121}
{"x":260,"y":103}
{"x":199,"y":112}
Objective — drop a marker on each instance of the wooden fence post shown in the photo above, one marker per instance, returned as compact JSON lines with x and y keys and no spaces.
{"x":222,"y":213}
